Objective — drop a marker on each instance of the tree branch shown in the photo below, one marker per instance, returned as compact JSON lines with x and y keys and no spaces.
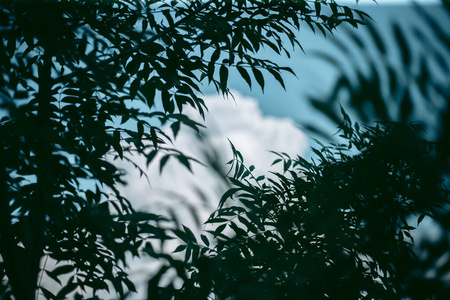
{"x":136,"y":48}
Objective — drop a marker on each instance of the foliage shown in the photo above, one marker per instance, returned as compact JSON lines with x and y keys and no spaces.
{"x":402,"y":77}
{"x":399,"y":76}
{"x":338,"y":227}
{"x":86,"y":82}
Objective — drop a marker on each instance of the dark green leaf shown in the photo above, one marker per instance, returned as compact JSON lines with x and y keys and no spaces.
{"x":163,"y":162}
{"x":63,"y":270}
{"x":223,"y":77}
{"x":205,"y":240}
{"x":259,"y":77}
{"x":245,"y":75}
{"x":180,"y":248}
{"x":405,"y":53}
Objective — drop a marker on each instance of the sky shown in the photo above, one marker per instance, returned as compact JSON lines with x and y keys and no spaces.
{"x":238,"y":120}
{"x":192,"y":196}
{"x":255,"y":122}
{"x":315,"y":77}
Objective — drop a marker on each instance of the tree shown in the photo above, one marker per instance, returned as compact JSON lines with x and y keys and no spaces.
{"x":405,"y":81}
{"x":72,"y":73}
{"x":413,"y":87}
{"x":334,"y":228}
{"x":341,"y":226}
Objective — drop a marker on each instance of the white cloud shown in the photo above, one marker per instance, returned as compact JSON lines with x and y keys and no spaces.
{"x":185,"y":193}
{"x":239,"y":120}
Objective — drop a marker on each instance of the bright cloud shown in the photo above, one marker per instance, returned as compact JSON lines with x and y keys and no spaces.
{"x":192,"y":196}
{"x":239,"y":120}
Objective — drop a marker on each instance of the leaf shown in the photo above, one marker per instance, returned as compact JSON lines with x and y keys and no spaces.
{"x":154,"y":137}
{"x":71,"y":100}
{"x":62,"y":270}
{"x":184,"y":161}
{"x":317,"y":8}
{"x":239,"y":231}
{"x":133,"y":66}
{"x":47,"y":293}
{"x":219,"y":229}
{"x":228,"y":194}
{"x":406,"y":106}
{"x":72,"y":92}
{"x":205,"y":240}
{"x":345,"y":115}
{"x":215,"y":56}
{"x":141,"y":217}
{"x":11,"y":45}
{"x":180,"y":248}
{"x":144,"y":25}
{"x":149,"y":91}
{"x":68,"y":288}
{"x":97,"y":285}
{"x":223,"y":72}
{"x":188,"y":254}
{"x":140,"y":129}
{"x":32,"y":61}
{"x":182,"y":235}
{"x":190,"y":234}
{"x":175,"y":128}
{"x":260,"y":178}
{"x":53,"y":276}
{"x":420,"y":219}
{"x":405,"y":53}
{"x":276,"y":161}
{"x":134,"y":87}
{"x":376,"y":37}
{"x":216,"y":220}
{"x":163,"y":162}
{"x":259,"y":77}
{"x":250,"y":226}
{"x":211,"y":65}
{"x":124,"y":119}
{"x":408,"y":235}
{"x":278,"y":77}
{"x":116,"y":144}
{"x":245,"y":75}
{"x":167,"y":14}
{"x":168,"y":104}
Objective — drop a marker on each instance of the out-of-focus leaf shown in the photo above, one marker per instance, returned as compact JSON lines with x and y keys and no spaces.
{"x":405,"y":52}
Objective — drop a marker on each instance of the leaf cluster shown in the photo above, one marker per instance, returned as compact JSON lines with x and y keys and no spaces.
{"x":86,"y":82}
{"x":403,"y":76}
{"x":336,"y":227}
{"x":403,"y":82}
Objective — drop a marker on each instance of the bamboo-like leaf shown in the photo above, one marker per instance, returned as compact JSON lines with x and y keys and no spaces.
{"x":245,"y":75}
{"x":223,"y":73}
{"x":259,"y":77}
{"x":180,"y":248}
{"x":405,"y":52}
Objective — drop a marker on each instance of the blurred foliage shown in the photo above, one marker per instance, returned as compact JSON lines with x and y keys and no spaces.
{"x":403,"y":77}
{"x":342,"y":225}
{"x":400,"y":76}
{"x":84,"y":83}
{"x":334,"y":228}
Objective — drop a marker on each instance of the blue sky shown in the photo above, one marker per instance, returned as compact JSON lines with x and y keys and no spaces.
{"x":255,"y":122}
{"x":314,"y":76}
